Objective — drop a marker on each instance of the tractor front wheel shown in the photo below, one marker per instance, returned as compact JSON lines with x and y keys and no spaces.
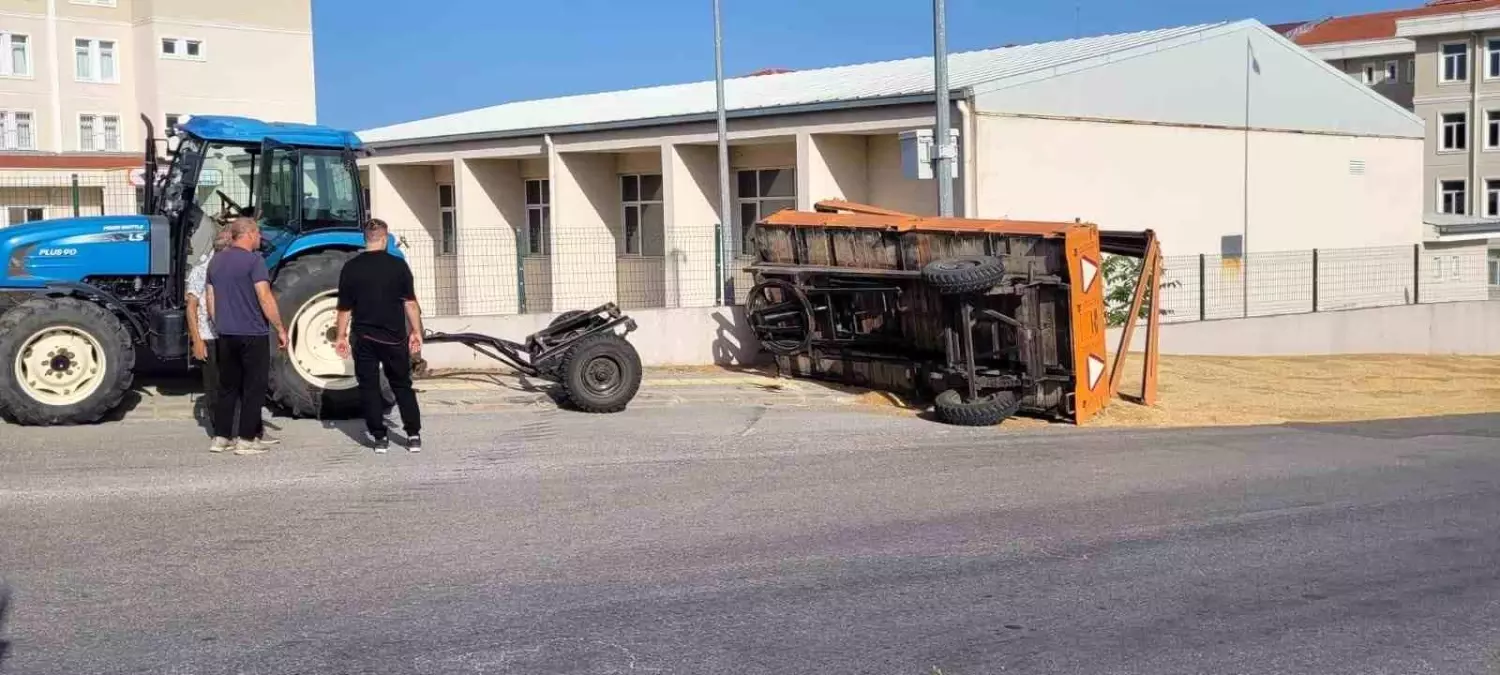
{"x":309,"y":378}
{"x":63,"y":361}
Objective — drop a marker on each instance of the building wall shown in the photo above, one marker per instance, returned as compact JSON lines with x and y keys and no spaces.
{"x":256,"y":60}
{"x":1441,"y":328}
{"x":1401,"y":90}
{"x":1189,"y":184}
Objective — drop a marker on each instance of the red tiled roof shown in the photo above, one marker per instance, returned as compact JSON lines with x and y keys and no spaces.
{"x":1381,"y":25}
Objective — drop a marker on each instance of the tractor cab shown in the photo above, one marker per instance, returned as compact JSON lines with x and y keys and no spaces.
{"x":295,"y":178}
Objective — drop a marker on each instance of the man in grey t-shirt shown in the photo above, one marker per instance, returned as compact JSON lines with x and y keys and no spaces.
{"x":243,"y":313}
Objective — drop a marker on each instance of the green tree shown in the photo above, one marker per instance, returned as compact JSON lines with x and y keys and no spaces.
{"x":1120,"y":275}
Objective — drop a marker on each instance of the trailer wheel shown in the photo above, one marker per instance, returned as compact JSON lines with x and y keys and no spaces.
{"x":308,"y":378}
{"x":985,"y":411}
{"x":62,"y":361}
{"x":968,"y":274}
{"x":600,"y":374}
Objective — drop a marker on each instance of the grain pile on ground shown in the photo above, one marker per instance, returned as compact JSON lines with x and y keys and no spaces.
{"x":1221,"y":391}
{"x":1271,"y":390}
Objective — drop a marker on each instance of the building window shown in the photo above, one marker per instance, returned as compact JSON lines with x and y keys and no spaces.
{"x":448,"y":212}
{"x":1454,"y":64}
{"x":643,"y":215}
{"x":1492,"y":198}
{"x":1367,"y":74}
{"x":173,"y":119}
{"x":1411,"y":70}
{"x":181,"y":48}
{"x":1393,"y":71}
{"x":94,"y":61}
{"x":15,"y":55}
{"x":1452,"y":197}
{"x":99,"y":133}
{"x":1455,"y":129}
{"x":1492,"y":58}
{"x":760,"y":193}
{"x":18,"y":215}
{"x":538,"y":217}
{"x":1494,"y":268}
{"x":18,"y":129}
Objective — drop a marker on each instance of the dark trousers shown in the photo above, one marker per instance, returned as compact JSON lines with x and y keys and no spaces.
{"x":244,"y":365}
{"x":210,"y":378}
{"x":370,"y":357}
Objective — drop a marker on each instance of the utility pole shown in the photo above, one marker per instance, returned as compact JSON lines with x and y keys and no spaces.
{"x":946,"y":151}
{"x":726,"y":219}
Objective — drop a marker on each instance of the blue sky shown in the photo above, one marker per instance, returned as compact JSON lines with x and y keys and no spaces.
{"x":386,"y":61}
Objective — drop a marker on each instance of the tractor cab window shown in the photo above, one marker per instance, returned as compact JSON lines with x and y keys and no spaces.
{"x":309,"y":190}
{"x":329,"y":198}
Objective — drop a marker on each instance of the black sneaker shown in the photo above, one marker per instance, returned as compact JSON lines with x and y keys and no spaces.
{"x":381,"y":445}
{"x":414,"y":444}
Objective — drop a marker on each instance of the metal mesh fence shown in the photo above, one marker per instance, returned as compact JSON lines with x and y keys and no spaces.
{"x":1208,"y":287}
{"x":27,"y":196}
{"x":539,"y":269}
{"x":486,"y":272}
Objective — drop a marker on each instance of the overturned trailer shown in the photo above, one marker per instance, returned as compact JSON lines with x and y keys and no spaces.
{"x":994,"y":317}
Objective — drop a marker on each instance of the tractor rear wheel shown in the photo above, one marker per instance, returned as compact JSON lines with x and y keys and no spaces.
{"x":62,"y":361}
{"x":309,"y":378}
{"x":600,"y":374}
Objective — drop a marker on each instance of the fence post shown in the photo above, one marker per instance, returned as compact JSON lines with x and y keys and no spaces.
{"x":76,"y":211}
{"x":520,"y":277}
{"x":1202,"y":289}
{"x":1315,"y":280}
{"x":721,"y":285}
{"x":1416,"y":274}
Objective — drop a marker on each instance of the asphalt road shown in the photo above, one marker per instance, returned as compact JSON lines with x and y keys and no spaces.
{"x":737,"y":540}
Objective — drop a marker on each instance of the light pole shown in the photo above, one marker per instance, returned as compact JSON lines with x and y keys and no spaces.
{"x":945,"y":150}
{"x":726,"y":221}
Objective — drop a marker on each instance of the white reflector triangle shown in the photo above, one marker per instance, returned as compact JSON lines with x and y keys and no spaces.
{"x":1090,"y":273}
{"x":1096,"y":370}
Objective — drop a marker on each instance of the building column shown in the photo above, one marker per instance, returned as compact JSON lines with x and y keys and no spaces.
{"x":491,"y":209}
{"x":690,"y":178}
{"x":832,"y":166}
{"x":585,"y":197}
{"x":405,"y":197}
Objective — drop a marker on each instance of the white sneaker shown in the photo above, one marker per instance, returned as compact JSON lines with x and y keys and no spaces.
{"x":220,"y":444}
{"x":249,"y":447}
{"x":267,"y":441}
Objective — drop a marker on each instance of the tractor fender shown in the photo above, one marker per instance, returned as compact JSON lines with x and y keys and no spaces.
{"x":346,"y":240}
{"x":103,"y":298}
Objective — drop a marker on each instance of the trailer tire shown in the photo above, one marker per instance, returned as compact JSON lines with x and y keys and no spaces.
{"x":985,"y":411}
{"x":299,"y":285}
{"x":600,"y":374}
{"x":95,"y":356}
{"x":967,"y":274}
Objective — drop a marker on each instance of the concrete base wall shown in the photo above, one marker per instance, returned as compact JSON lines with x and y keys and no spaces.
{"x":665,"y":337}
{"x":1443,"y":328}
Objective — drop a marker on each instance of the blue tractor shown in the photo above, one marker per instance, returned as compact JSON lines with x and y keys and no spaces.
{"x":80,"y":298}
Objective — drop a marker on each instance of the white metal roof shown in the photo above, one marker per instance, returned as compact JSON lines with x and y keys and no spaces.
{"x":881,"y":80}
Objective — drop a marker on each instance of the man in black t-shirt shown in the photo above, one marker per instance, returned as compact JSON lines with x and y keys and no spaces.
{"x":380,"y":323}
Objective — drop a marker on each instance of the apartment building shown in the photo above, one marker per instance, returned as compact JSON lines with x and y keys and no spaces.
{"x":77,"y":75}
{"x":1441,"y":61}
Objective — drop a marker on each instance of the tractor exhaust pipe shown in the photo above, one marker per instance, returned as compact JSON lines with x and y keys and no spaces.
{"x":149,"y":179}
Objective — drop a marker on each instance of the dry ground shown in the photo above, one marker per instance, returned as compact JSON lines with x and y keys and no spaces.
{"x":1222,"y":391}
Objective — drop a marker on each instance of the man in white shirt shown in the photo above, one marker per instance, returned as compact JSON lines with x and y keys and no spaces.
{"x":200,"y":328}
